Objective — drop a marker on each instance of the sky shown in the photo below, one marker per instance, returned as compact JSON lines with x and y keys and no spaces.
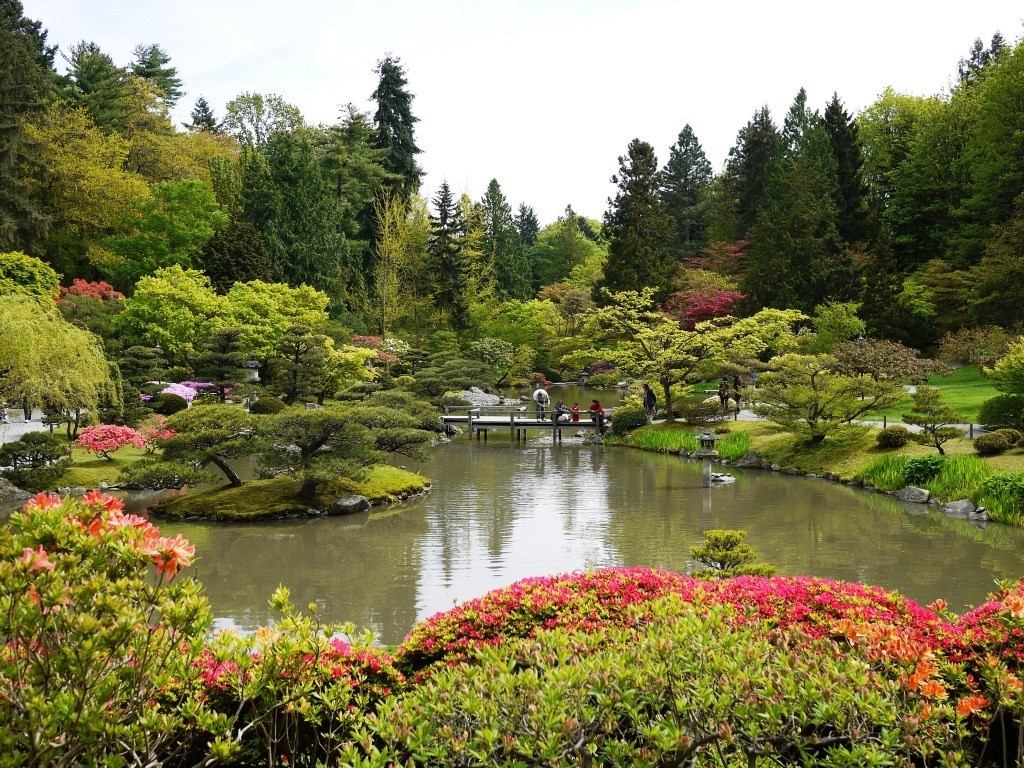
{"x":545,"y":96}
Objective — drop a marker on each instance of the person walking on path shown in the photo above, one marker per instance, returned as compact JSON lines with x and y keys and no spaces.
{"x":596,"y":411}
{"x":541,"y":400}
{"x":723,"y":393}
{"x":650,"y":402}
{"x":736,"y":384}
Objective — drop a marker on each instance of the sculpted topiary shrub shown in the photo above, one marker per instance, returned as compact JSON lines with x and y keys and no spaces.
{"x":1012,"y":436}
{"x":627,"y":418}
{"x":267,"y":405}
{"x":168,"y":403}
{"x":991,"y":444}
{"x":893,"y":437}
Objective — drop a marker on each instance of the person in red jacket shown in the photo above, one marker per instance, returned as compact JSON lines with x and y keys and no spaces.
{"x":575,"y":411}
{"x":596,"y":411}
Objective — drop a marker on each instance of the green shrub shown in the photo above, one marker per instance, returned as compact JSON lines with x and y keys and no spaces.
{"x":1003,"y":496}
{"x":628,"y":417}
{"x":36,"y":460}
{"x":992,"y":444}
{"x":267,"y":405}
{"x":604,"y":380}
{"x":168,"y":403}
{"x":1003,"y":411}
{"x":921,"y":469}
{"x":688,"y":688}
{"x":698,"y":413}
{"x":893,"y":437}
{"x":1013,"y":436}
{"x":726,"y":555}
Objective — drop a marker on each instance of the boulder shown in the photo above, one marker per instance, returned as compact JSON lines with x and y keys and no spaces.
{"x":348,"y":505}
{"x":979,"y":515}
{"x":10,"y":493}
{"x":775,"y":467}
{"x":750,"y":461}
{"x":914,"y":495}
{"x":960,"y":508}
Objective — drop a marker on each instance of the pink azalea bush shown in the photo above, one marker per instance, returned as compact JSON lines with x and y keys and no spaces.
{"x":181,"y":390}
{"x":105,"y":439}
{"x":154,"y":429}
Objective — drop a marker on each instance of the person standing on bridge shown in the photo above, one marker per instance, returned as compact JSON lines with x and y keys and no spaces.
{"x":596,"y":411}
{"x":575,"y":411}
{"x":541,"y":400}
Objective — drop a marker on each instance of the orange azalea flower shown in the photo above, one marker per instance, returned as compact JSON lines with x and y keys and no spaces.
{"x":926,"y":711}
{"x":1015,"y":605}
{"x":925,"y":669}
{"x":938,"y":606}
{"x":968,"y":705}
{"x":36,"y":559}
{"x":171,"y":554}
{"x":43,"y":501}
{"x":933,"y":689}
{"x":1012,"y":684}
{"x":104,"y":500}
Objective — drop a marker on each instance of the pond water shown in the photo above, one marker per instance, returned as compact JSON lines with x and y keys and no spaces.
{"x":500,"y":512}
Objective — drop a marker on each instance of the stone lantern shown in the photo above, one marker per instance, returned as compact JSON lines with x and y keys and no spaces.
{"x":254,"y":365}
{"x":706,"y":453}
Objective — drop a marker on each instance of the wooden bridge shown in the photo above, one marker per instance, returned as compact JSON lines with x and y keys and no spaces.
{"x":517,"y":420}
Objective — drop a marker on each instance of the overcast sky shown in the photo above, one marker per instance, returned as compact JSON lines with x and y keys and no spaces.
{"x":545,"y":95}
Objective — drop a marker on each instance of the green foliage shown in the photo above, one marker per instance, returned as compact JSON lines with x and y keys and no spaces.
{"x":836,"y":321}
{"x":921,"y":469}
{"x":686,"y":179}
{"x":267,"y":405}
{"x":158,"y":475}
{"x":1003,"y":496}
{"x":1003,"y":411}
{"x":725,"y":555}
{"x":394,"y":126}
{"x":35,"y":461}
{"x":1013,"y":435}
{"x":992,"y":444}
{"x":807,"y":396}
{"x":151,"y":63}
{"x":212,"y":434}
{"x":105,"y":651}
{"x":28,"y":276}
{"x":893,"y":437}
{"x":1008,"y":372}
{"x":736,"y":693}
{"x":697,"y":412}
{"x":627,"y":418}
{"x":168,"y":403}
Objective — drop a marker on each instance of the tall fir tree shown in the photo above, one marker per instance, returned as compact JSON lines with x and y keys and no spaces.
{"x":503,"y":246}
{"x":750,"y":165}
{"x":798,"y":122}
{"x":637,"y":227}
{"x":394,"y":126}
{"x":26,"y":79}
{"x":851,"y":192}
{"x":203,"y":119}
{"x":686,"y":179}
{"x":527,"y":225}
{"x":94,"y":83}
{"x":449,"y":270}
{"x":151,"y":63}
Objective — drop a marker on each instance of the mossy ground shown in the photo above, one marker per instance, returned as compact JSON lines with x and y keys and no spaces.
{"x":88,"y":470}
{"x":964,"y":390}
{"x":269,"y":499}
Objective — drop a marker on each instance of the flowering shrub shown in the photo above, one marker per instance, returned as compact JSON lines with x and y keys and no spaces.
{"x":100,"y":290}
{"x":98,"y":637}
{"x":186,"y":393}
{"x":669,"y":686}
{"x":588,"y":601}
{"x":105,"y":439}
{"x":153,"y":429}
{"x":369,"y":342}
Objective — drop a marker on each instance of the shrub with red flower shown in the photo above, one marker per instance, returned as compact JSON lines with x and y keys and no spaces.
{"x":154,"y":428}
{"x":100,"y":290}
{"x":691,"y":307}
{"x":105,"y":439}
{"x":367,"y":342}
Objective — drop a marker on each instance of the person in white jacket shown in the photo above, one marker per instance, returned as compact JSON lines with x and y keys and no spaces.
{"x":541,"y":400}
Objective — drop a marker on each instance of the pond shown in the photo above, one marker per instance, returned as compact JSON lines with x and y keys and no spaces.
{"x":500,"y":512}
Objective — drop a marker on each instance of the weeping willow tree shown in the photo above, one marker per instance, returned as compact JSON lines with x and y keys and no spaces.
{"x":46,"y":362}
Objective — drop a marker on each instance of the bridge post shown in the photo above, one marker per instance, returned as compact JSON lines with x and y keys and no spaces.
{"x":469,"y":423}
{"x":512,"y":426}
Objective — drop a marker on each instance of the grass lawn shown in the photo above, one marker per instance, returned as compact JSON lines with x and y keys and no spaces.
{"x":269,"y":499}
{"x":964,"y":390}
{"x":88,"y":470}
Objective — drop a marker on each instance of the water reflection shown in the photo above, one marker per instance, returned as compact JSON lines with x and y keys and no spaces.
{"x":500,"y":512}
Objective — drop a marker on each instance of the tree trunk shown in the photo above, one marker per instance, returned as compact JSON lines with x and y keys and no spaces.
{"x":224,"y":467}
{"x":669,"y":416}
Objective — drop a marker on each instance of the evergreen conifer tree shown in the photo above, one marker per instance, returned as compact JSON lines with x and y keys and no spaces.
{"x":750,"y":165}
{"x":527,"y":225}
{"x":151,"y":63}
{"x":502,"y":245}
{"x":851,"y":192}
{"x":444,"y":251}
{"x":685,"y":181}
{"x":637,"y":227}
{"x":394,"y":126}
{"x":203,"y":118}
{"x":26,"y":78}
{"x":94,"y":83}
